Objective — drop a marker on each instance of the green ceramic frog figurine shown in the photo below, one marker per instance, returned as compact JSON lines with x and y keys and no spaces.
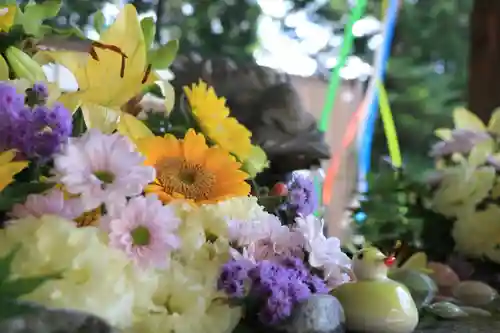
{"x":374,"y":303}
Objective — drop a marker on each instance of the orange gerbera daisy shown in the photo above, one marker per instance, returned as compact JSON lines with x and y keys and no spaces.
{"x":188,"y":169}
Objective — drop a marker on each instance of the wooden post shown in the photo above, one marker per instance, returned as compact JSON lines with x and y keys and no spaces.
{"x":484,"y":58}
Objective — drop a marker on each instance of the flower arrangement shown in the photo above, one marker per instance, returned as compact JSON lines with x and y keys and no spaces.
{"x":148,"y":224}
{"x":274,"y":267}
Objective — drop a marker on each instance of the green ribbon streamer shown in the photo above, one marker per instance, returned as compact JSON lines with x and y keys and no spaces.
{"x":335,"y":79}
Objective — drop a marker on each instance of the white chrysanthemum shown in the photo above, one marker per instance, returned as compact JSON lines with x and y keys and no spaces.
{"x":324,"y":253}
{"x":477,"y":233}
{"x":95,"y":278}
{"x":244,"y":232}
{"x":102,"y":168}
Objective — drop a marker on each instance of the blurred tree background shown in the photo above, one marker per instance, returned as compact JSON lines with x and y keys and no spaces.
{"x":427,"y":71}
{"x":426,"y":74}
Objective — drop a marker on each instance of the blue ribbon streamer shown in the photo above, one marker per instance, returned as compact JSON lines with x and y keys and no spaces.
{"x":367,"y":133}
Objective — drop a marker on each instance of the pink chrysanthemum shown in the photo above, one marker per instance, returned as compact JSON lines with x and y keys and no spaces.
{"x":102,"y":168}
{"x":144,"y":229}
{"x":50,"y":203}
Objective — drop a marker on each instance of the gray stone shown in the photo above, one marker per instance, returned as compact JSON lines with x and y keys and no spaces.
{"x":422,"y":288}
{"x":43,"y":320}
{"x":466,"y":325}
{"x":319,"y":314}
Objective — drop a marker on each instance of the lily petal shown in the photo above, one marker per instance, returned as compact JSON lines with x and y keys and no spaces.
{"x":101,"y":117}
{"x":133,"y":128}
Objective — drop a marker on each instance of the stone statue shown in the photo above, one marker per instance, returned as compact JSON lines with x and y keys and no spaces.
{"x":265,"y":101}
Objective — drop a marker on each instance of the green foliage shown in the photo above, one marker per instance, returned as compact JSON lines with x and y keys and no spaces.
{"x":218,"y":28}
{"x":426,"y":76}
{"x":149,"y":30}
{"x":162,"y":57}
{"x":73,"y":13}
{"x":34,"y":14}
{"x":391,"y":206}
{"x":17,"y":192}
{"x":12,"y":289}
{"x":99,"y":21}
{"x":176,"y":123}
{"x":396,"y":208}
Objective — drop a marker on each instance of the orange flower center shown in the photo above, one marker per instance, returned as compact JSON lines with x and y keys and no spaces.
{"x":191,"y":180}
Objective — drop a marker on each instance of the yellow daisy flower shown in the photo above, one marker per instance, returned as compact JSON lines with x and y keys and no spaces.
{"x":213,"y":117}
{"x":8,"y":168}
{"x":188,"y":169}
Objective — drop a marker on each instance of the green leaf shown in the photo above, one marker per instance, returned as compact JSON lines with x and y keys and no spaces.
{"x":23,"y":65}
{"x":148,"y":30}
{"x":5,"y":264}
{"x":7,"y":2}
{"x":23,"y":286}
{"x":4,"y":69}
{"x":70,"y":31}
{"x":34,"y":14}
{"x":45,"y":30}
{"x":163,"y":57}
{"x":10,"y":308}
{"x":99,"y":21}
{"x":17,"y":193}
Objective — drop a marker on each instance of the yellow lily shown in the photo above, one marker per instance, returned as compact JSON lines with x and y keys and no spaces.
{"x":7,"y":15}
{"x":8,"y":168}
{"x":106,"y":79}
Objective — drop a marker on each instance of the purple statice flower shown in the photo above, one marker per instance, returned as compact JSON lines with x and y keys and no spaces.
{"x":37,"y":95}
{"x":233,"y":278}
{"x":10,"y":100}
{"x":302,"y":196}
{"x":36,"y":132}
{"x":277,"y":307}
{"x":41,"y":90}
{"x":274,"y":286}
{"x":265,"y":276}
{"x":295,"y":267}
{"x":280,"y":285}
{"x":317,"y":285}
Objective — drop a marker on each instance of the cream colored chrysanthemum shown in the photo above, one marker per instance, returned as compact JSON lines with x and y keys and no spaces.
{"x":477,"y":233}
{"x":462,"y":187}
{"x":187,"y":300}
{"x":214,"y":218}
{"x":95,"y":278}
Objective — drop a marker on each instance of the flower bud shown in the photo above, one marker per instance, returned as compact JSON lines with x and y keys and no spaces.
{"x":23,"y":65}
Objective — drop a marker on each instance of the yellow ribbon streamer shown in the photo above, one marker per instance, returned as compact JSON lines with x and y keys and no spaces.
{"x":389,"y":127}
{"x":385,"y":4}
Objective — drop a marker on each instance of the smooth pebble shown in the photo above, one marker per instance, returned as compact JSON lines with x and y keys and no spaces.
{"x":474,"y":293}
{"x":443,"y":275}
{"x":446,"y":310}
{"x":473,"y":311}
